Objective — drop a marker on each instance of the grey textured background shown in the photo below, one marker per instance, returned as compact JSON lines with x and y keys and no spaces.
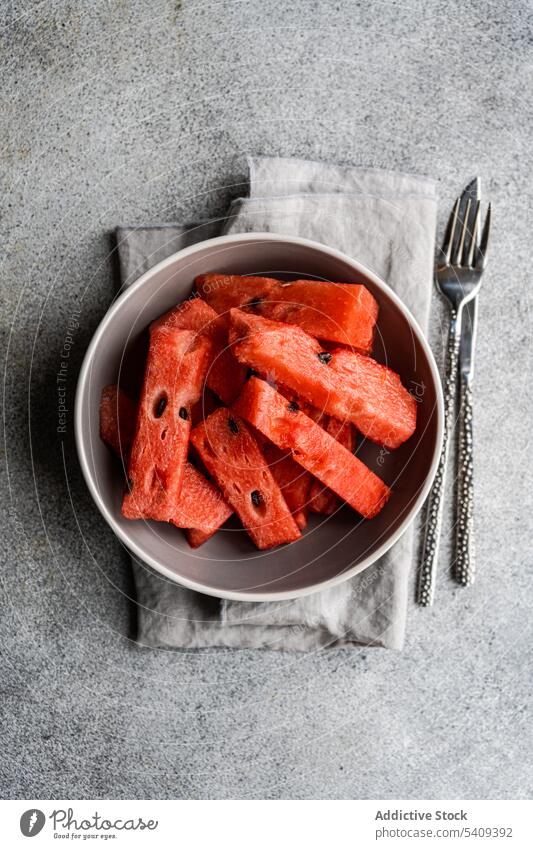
{"x":134,"y":112}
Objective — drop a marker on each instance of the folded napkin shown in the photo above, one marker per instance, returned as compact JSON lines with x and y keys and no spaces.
{"x":387,"y":221}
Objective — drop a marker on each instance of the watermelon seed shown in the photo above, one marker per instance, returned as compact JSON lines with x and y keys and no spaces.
{"x":183,"y":414}
{"x":164,"y":433}
{"x":160,"y":405}
{"x":233,"y":426}
{"x":251,"y":373}
{"x":324,"y":357}
{"x":293,"y":407}
{"x":256,"y":498}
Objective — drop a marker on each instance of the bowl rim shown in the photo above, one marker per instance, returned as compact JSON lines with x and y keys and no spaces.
{"x":159,"y":567}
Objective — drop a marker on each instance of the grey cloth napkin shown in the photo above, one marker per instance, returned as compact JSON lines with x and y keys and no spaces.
{"x":387,"y":220}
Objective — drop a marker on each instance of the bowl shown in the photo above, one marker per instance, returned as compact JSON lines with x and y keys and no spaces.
{"x":332,"y":549}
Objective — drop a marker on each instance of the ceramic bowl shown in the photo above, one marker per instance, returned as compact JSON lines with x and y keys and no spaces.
{"x":332,"y":549}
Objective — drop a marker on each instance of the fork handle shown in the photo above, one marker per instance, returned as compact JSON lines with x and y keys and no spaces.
{"x":428,"y":564}
{"x":464,"y":566}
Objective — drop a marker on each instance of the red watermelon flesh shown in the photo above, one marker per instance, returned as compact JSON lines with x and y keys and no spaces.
{"x":345,"y":384}
{"x":196,"y":538}
{"x":293,"y":481}
{"x":203,"y":408}
{"x":312,"y":447}
{"x":193,"y":314}
{"x":232,"y":456}
{"x":388,"y":414}
{"x":225,"y":376}
{"x":200,"y":507}
{"x":173,"y":381}
{"x":117,"y":420}
{"x":313,"y":412}
{"x":224,"y":291}
{"x":322,"y":499}
{"x":338,"y":312}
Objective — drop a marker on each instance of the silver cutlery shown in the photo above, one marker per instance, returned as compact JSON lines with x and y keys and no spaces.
{"x":460,"y":265}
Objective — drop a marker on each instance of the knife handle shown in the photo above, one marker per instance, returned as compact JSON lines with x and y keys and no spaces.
{"x":428,"y":565}
{"x":464,"y":568}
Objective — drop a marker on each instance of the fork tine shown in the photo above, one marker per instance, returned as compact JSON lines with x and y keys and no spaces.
{"x":447,"y":243}
{"x":468,"y":253}
{"x":462,"y":236}
{"x":473,"y":189}
{"x":465,"y":216}
{"x":456,"y":246}
{"x":481,"y":252}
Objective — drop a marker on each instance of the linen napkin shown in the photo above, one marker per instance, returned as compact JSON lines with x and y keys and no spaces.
{"x":386,"y":220}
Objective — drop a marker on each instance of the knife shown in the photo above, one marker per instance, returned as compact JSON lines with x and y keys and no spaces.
{"x":464,"y":563}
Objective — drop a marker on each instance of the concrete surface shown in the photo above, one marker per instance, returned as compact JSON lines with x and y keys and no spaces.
{"x":132,"y":112}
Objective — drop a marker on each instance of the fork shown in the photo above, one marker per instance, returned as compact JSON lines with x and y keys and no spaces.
{"x":460,"y":265}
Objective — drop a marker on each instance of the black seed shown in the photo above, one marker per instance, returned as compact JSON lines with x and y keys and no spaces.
{"x":256,"y":498}
{"x":324,"y":357}
{"x":293,"y":407}
{"x":251,"y":373}
{"x":159,"y":407}
{"x":254,"y":302}
{"x":183,"y":414}
{"x":233,"y":426}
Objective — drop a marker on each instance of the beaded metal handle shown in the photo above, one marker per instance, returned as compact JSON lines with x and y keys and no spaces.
{"x":428,"y":564}
{"x":464,"y":567}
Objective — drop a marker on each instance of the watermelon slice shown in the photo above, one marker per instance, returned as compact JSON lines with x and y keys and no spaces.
{"x":345,"y":384}
{"x":200,"y":507}
{"x":173,"y":382}
{"x":117,"y":420}
{"x":312,"y":447}
{"x":293,"y":481}
{"x":232,"y":456}
{"x":322,"y":499}
{"x":338,"y":312}
{"x":386,"y":410}
{"x":225,"y":376}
